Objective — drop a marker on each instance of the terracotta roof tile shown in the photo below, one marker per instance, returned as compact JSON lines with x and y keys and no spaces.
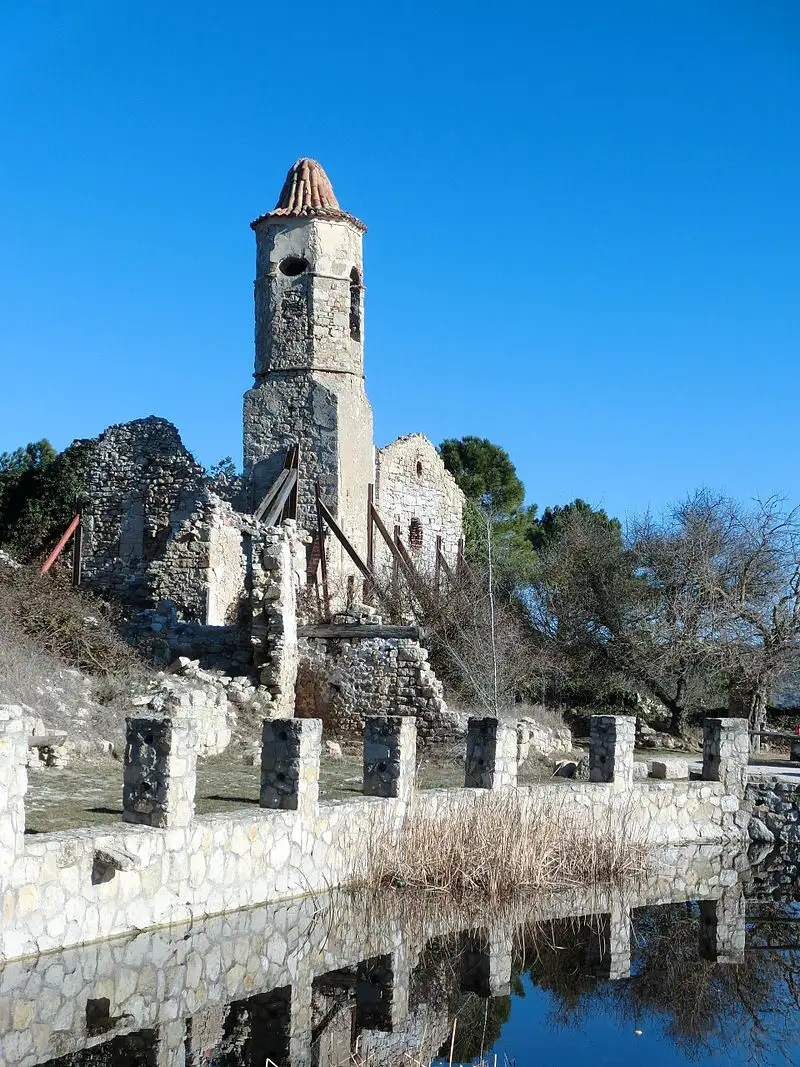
{"x":308,"y":193}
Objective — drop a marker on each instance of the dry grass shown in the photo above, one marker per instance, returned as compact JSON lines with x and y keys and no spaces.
{"x":62,"y":659}
{"x":74,"y":627}
{"x":503,"y":845}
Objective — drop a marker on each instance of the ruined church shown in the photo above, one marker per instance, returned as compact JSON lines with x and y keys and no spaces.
{"x":156,"y":528}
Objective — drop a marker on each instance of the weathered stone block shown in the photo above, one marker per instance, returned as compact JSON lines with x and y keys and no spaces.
{"x":611,"y":743}
{"x":290,"y":754}
{"x":160,"y":771}
{"x":390,"y":756}
{"x":726,"y":751}
{"x":491,"y":761}
{"x":676,"y":768}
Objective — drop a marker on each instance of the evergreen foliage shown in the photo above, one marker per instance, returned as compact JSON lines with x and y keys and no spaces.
{"x":40,"y":493}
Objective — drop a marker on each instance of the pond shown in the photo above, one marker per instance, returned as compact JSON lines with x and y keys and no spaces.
{"x":699,"y":963}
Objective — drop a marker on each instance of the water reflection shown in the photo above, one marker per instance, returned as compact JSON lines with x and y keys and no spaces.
{"x":705,"y":954}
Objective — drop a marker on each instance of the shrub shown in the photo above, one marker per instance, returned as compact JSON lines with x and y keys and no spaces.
{"x":503,"y":844}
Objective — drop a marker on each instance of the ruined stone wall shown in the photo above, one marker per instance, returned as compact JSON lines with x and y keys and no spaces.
{"x":157,"y":633}
{"x":415,"y":491}
{"x":278,"y":574}
{"x":141,"y":482}
{"x":203,"y":568}
{"x":342,"y":682}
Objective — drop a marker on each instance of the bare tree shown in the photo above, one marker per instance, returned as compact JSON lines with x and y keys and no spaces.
{"x":758,"y":586}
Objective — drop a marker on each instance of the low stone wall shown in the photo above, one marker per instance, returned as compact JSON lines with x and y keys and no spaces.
{"x":180,"y":989}
{"x":157,"y":633}
{"x":775,"y":811}
{"x":70,"y":887}
{"x":345,"y":681}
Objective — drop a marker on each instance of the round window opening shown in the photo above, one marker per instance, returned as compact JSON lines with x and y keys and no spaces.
{"x":292,"y":266}
{"x":419,"y":468}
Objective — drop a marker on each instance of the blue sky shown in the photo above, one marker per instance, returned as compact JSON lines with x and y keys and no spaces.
{"x":584,"y":224}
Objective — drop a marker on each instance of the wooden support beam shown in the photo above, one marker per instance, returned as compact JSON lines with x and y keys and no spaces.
{"x":334,"y":527}
{"x":266,"y":503}
{"x":293,"y":464}
{"x":370,"y":527}
{"x":357,"y":631}
{"x":398,"y":559}
{"x":276,"y":508}
{"x":323,"y":562}
{"x":77,"y":551}
{"x":445,"y":566}
{"x":70,"y":530}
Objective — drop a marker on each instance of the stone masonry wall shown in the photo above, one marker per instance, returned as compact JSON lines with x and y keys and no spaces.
{"x":278,"y":574}
{"x":775,"y":808}
{"x":203,"y":568}
{"x":342,"y":682}
{"x":415,"y":491}
{"x":141,"y":481}
{"x":71,"y":887}
{"x":290,"y":407}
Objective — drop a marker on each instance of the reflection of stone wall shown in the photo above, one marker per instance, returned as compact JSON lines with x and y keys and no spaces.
{"x":215,"y":983}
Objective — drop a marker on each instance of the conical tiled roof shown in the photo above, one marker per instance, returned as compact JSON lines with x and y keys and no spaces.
{"x":308,"y":193}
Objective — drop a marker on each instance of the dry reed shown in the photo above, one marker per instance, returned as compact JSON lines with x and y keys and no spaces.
{"x":504,"y":844}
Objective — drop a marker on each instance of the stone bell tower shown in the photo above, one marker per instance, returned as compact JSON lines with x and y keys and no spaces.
{"x":309,"y":368}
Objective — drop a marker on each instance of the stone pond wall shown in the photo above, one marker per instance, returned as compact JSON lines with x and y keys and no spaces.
{"x":775,"y":808}
{"x":70,"y":887}
{"x":181,"y":990}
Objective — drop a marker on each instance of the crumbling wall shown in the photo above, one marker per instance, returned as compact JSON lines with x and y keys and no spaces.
{"x":140,"y":483}
{"x":203,"y":569}
{"x":414,"y":491}
{"x":342,"y":682}
{"x":287,"y":408}
{"x":278,"y":573}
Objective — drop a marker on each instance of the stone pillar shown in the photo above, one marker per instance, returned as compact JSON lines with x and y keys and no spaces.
{"x":726,"y":750}
{"x":278,"y":561}
{"x":491,"y":754}
{"x":610,"y":944}
{"x":171,"y":1044}
{"x":290,"y":751}
{"x":486,"y":961}
{"x":160,"y":771}
{"x":301,"y":1029}
{"x":13,"y":785}
{"x":390,"y":756}
{"x":611,"y":744}
{"x":722,"y":926}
